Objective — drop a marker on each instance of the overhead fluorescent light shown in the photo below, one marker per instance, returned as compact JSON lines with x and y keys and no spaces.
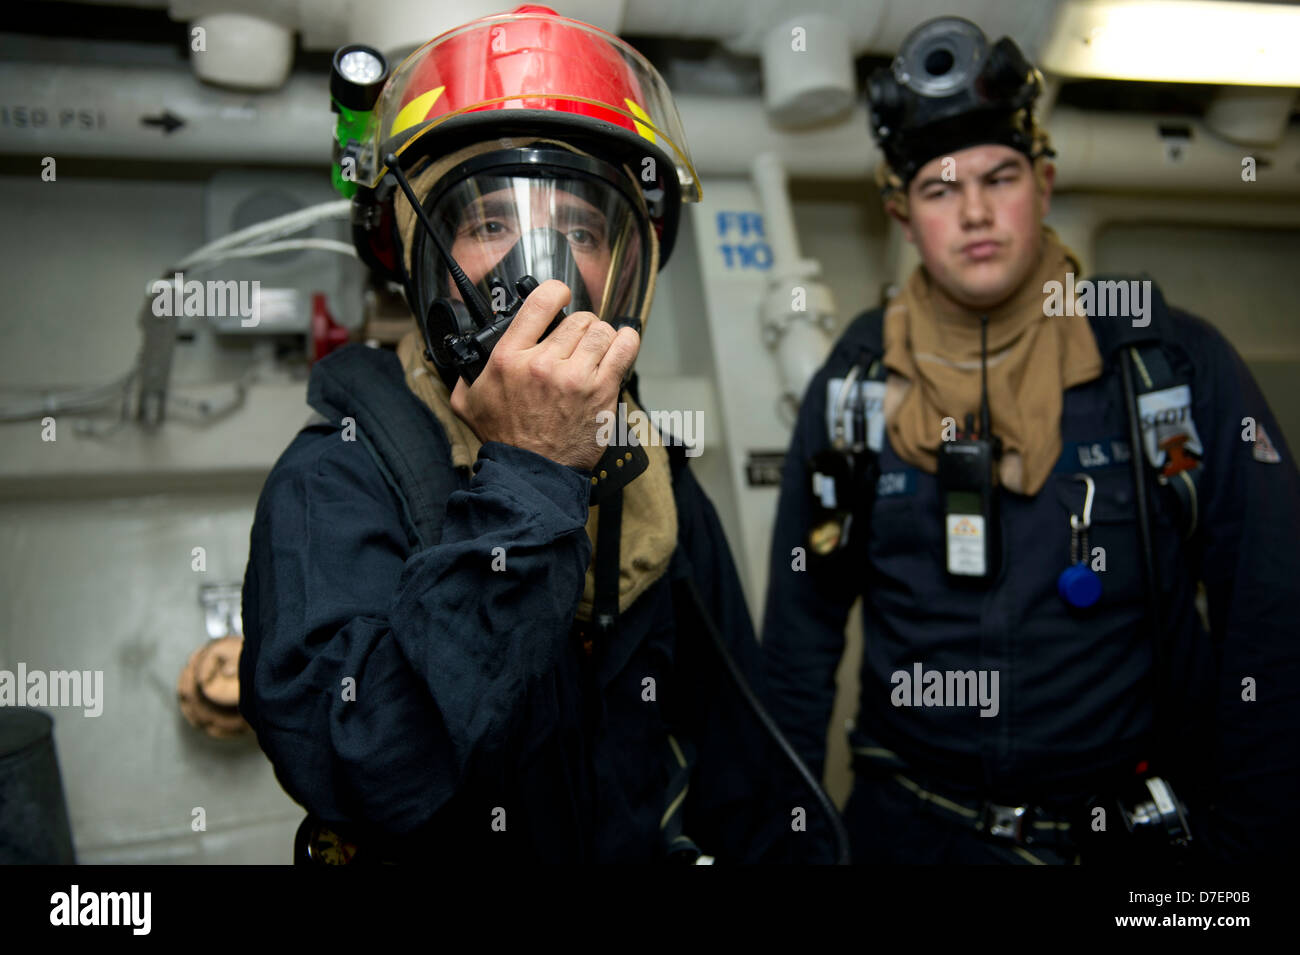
{"x":1176,"y":41}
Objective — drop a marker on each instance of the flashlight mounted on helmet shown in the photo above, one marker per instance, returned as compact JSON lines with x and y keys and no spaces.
{"x":357,"y":77}
{"x":948,"y":89}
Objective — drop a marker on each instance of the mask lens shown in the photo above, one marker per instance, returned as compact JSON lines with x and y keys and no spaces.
{"x":577,"y":230}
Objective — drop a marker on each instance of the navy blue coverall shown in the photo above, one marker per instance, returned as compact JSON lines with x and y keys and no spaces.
{"x":1076,"y":704}
{"x":470,"y":694}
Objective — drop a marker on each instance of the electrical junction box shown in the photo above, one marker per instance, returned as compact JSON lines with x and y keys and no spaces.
{"x":269,"y":294}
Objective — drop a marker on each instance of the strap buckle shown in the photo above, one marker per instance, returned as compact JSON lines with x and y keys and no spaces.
{"x":1005,"y":822}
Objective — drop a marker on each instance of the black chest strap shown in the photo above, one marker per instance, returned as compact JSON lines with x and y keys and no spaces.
{"x":368,"y":386}
{"x":1170,"y":443}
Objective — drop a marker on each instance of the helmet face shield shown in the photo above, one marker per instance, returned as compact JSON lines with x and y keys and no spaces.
{"x":547,"y":67}
{"x":545,"y":213}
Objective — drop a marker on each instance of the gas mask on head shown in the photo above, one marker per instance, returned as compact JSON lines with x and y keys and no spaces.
{"x":948,"y":89}
{"x":500,"y":224}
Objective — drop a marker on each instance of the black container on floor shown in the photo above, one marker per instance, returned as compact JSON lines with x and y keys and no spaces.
{"x":34,"y":828}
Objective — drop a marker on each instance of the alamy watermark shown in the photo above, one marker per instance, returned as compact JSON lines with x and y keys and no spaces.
{"x":922,"y":687}
{"x":624,"y":429}
{"x":75,"y":907}
{"x":175,"y":297}
{"x":1124,"y":298}
{"x":84,"y":688}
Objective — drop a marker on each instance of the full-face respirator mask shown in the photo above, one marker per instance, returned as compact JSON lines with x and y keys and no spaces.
{"x":948,"y":89}
{"x":498,"y":225}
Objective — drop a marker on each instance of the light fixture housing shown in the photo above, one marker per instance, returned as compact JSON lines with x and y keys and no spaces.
{"x":1176,"y":41}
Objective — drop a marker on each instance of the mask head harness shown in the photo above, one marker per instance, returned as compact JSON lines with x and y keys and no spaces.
{"x":947,"y":90}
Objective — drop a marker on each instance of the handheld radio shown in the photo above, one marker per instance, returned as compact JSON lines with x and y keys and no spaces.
{"x":967,"y":484}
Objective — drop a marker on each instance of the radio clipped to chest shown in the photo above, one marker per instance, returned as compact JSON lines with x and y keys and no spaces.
{"x":966,"y":470}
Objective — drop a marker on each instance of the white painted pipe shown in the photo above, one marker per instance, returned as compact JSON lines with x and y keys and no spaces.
{"x":797,"y":334}
{"x":126,"y":112}
{"x":1095,"y":150}
{"x":116,"y":112}
{"x":725,"y":132}
{"x":778,"y":216}
{"x":1098,"y":151}
{"x":800,"y":352}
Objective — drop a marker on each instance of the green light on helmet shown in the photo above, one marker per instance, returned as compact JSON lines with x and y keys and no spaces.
{"x":357,"y":76}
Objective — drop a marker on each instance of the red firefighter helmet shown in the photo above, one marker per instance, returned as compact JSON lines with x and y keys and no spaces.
{"x":534,"y":73}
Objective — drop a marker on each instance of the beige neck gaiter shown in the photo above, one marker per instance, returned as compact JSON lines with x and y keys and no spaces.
{"x":932,"y":349}
{"x":649,"y":532}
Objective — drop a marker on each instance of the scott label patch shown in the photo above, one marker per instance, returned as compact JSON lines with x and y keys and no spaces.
{"x":1168,"y":431}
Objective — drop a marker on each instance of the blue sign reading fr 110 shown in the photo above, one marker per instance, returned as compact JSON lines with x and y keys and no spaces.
{"x":744,"y":248}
